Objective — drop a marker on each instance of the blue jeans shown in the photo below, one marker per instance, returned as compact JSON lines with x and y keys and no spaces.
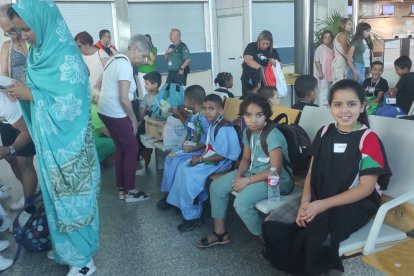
{"x":360,"y":68}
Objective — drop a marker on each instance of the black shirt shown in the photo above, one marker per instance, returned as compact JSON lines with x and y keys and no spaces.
{"x":261,"y":57}
{"x":405,"y":94}
{"x":382,"y":85}
{"x":301,"y":105}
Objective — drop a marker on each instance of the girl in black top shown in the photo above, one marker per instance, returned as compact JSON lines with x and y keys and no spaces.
{"x":342,"y":191}
{"x":225,"y":81}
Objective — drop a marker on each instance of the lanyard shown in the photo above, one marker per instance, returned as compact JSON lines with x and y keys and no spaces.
{"x":253,"y":147}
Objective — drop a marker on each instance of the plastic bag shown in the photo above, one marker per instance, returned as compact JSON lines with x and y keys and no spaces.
{"x":174,"y":133}
{"x":280,"y":80}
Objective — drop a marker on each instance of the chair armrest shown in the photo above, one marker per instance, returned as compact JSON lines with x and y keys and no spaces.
{"x":379,"y":220}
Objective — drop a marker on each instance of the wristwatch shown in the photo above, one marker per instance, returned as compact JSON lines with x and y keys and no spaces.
{"x":12,"y":151}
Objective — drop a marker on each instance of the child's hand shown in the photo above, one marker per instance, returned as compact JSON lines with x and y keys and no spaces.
{"x":239,"y":183}
{"x":301,"y":213}
{"x":393,"y":91}
{"x":188,"y":148}
{"x":356,"y":76}
{"x":195,"y":160}
{"x":312,"y":210}
{"x":321,"y":76}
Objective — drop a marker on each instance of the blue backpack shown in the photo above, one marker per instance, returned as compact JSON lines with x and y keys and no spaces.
{"x":169,"y":95}
{"x":34,"y":235}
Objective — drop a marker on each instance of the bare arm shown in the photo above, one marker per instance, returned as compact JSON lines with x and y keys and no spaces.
{"x":126,"y":103}
{"x":251,"y":63}
{"x":4,"y":59}
{"x":244,"y":162}
{"x":152,"y":59}
{"x":379,"y":97}
{"x":319,"y":68}
{"x":349,"y":59}
{"x":344,"y":42}
{"x":24,"y":137}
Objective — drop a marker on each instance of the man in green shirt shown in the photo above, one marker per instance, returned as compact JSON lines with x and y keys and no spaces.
{"x":178,"y":58}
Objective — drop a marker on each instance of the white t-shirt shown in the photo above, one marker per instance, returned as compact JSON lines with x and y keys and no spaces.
{"x":95,"y":66}
{"x":116,"y":69}
{"x":366,"y":54}
{"x":10,"y":111}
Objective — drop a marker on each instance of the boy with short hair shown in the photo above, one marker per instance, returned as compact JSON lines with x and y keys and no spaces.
{"x":375,"y":87}
{"x":305,"y":90}
{"x":188,"y":190}
{"x":404,"y":89}
{"x":152,"y":85}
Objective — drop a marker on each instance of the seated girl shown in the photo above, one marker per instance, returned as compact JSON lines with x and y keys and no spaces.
{"x":222,"y":149}
{"x":194,"y":145}
{"x":225,"y":81}
{"x":342,"y":189}
{"x":250,"y":179}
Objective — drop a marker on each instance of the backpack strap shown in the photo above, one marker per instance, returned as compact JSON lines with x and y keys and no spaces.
{"x":280,"y":117}
{"x":119,"y":57}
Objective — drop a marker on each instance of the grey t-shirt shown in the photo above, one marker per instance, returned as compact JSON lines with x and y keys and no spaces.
{"x":148,"y":101}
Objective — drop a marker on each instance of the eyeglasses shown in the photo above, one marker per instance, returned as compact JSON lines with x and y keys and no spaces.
{"x":257,"y":116}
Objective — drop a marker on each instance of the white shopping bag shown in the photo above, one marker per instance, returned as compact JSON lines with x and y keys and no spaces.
{"x":280,"y":80}
{"x":174,"y":133}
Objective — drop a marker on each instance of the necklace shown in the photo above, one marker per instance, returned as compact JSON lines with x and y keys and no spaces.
{"x":356,"y":126}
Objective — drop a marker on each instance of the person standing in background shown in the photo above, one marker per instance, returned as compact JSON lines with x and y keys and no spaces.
{"x":340,"y":47}
{"x":148,"y":65}
{"x":104,"y":43}
{"x":178,"y":58}
{"x":324,"y":55}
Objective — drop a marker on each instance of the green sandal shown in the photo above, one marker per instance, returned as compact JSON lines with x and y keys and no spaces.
{"x":203,"y":243}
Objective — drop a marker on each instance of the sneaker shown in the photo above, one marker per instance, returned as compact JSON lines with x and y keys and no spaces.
{"x":189,"y":224}
{"x":88,"y":269}
{"x":5,"y":263}
{"x":121,"y":193}
{"x":162,"y":204}
{"x":135,"y":196}
{"x":17,"y":205}
{"x":5,"y":223}
{"x":50,"y":255}
{"x":23,"y":218}
{"x":4,"y":244}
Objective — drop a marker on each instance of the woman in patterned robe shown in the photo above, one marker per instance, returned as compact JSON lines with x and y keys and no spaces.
{"x":55,"y":102}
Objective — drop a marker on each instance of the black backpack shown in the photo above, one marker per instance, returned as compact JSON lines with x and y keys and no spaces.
{"x":298,"y":143}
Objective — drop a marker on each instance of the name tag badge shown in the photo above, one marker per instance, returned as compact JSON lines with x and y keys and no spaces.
{"x":339,"y":148}
{"x":263,"y":159}
{"x":191,"y":125}
{"x":391,"y":100}
{"x":189,"y":143}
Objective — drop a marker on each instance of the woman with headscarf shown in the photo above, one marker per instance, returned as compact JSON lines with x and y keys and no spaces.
{"x":55,"y":102}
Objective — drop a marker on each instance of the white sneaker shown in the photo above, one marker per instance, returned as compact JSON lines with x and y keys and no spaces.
{"x":5,"y":263}
{"x":6,"y":223}
{"x":50,"y":255}
{"x":23,"y":218}
{"x":89,"y":269}
{"x":4,"y":244}
{"x":17,"y":205}
{"x":136,"y":196}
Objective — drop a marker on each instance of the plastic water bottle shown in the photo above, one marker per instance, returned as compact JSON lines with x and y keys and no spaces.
{"x":273,"y":189}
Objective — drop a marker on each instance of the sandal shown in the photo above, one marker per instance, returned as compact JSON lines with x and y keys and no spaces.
{"x":203,"y":243}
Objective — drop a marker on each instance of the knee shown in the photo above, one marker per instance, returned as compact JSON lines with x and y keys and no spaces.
{"x":240,"y":206}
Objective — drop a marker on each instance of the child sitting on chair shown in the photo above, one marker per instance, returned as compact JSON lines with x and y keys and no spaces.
{"x":250,"y":179}
{"x":222,"y":148}
{"x":305,"y":90}
{"x":342,"y":190}
{"x":198,"y":126}
{"x":270,"y":93}
{"x":375,"y":87}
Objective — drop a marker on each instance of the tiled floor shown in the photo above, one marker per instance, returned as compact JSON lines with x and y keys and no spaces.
{"x":139,"y":239}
